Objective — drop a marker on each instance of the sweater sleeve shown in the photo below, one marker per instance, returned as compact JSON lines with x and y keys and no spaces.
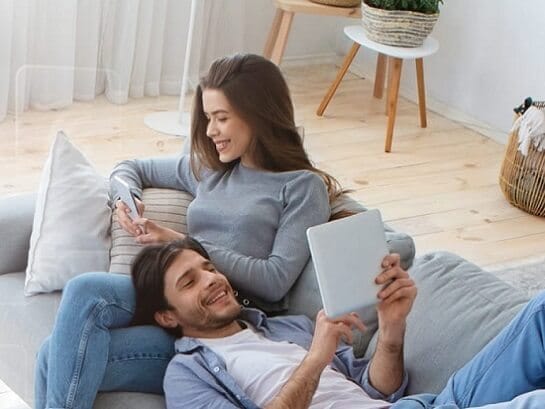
{"x":164,"y":172}
{"x":306,"y":204}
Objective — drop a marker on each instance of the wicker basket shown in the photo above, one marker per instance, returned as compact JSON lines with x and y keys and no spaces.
{"x":522,"y":178}
{"x":399,"y":28}
{"x":338,"y":3}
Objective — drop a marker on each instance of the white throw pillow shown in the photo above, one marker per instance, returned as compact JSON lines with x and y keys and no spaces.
{"x":71,"y":229}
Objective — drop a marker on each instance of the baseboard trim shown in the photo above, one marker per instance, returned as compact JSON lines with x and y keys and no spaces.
{"x":310,"y":59}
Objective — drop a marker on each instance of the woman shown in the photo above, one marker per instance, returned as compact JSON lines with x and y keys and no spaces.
{"x":256,"y":193}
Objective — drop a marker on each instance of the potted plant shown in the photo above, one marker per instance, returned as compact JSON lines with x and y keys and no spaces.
{"x":401,"y":23}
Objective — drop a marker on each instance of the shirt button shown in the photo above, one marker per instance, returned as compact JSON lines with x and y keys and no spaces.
{"x":216,"y":369}
{"x":245,"y":302}
{"x":238,"y":397}
{"x":236,"y":293}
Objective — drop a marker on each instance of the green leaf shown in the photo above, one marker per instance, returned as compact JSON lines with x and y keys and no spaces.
{"x":421,"y":6}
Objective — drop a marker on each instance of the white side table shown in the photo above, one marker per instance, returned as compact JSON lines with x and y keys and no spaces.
{"x":395,"y":57}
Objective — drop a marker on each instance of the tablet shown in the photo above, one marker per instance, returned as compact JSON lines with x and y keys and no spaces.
{"x":347,"y":256}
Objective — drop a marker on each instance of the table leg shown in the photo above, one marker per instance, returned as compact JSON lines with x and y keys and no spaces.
{"x":393,"y":94}
{"x":389,"y":66}
{"x":421,"y":92}
{"x":282,"y":39}
{"x":273,"y":34}
{"x":380,"y":75}
{"x":340,"y":75}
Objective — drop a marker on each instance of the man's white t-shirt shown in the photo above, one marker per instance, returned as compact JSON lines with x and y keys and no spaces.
{"x":261,"y":368}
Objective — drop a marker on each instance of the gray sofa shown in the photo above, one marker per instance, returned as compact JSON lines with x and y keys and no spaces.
{"x":458,"y":310}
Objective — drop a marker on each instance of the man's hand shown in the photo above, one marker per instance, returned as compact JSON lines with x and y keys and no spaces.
{"x":328,"y":334}
{"x":298,"y":391}
{"x":386,"y":370}
{"x":122,"y":211}
{"x":396,"y":299}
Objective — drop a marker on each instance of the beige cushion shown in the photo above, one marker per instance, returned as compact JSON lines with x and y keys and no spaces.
{"x":71,"y":226}
{"x":166,"y":207}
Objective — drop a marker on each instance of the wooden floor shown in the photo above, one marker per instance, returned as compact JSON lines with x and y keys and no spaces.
{"x":438,"y":184}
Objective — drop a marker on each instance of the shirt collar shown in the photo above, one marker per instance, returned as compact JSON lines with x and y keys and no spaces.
{"x":257,"y":318}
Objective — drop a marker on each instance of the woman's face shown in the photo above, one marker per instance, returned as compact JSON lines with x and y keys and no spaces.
{"x":229,"y":132}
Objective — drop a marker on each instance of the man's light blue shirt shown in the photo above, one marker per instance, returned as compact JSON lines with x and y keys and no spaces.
{"x":197,"y":377}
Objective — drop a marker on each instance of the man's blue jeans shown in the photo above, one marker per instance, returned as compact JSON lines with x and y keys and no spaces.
{"x":92,"y":349}
{"x":89,"y":350}
{"x":511,"y":365}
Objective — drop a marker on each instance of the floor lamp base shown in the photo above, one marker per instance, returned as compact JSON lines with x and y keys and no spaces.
{"x":168,"y":123}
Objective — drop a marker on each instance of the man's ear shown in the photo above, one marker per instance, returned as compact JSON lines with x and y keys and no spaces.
{"x":166,"y":319}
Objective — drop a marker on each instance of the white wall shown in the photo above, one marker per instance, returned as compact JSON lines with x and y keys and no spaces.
{"x":492,"y":56}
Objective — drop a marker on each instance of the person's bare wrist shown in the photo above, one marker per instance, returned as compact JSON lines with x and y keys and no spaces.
{"x":315,"y":359}
{"x":178,"y":236}
{"x":392,"y":336}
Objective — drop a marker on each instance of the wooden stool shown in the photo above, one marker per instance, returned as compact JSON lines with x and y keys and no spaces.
{"x":285,"y":10}
{"x":395,"y":57}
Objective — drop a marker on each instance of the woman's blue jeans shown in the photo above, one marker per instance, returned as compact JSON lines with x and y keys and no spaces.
{"x":92,"y":348}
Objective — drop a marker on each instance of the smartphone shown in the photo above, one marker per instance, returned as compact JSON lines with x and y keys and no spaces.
{"x":125,"y":195}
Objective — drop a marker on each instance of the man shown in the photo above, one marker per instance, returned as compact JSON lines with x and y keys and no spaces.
{"x":232,"y":357}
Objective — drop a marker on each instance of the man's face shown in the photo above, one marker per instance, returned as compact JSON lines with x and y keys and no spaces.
{"x":203,"y":301}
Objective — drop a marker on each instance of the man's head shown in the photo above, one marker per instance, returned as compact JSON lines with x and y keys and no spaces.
{"x":178,"y":288}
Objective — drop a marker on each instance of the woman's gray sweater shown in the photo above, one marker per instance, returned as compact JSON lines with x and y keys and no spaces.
{"x":252,"y":222}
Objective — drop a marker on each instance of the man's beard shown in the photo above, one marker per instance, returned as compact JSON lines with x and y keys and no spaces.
{"x":221,"y":321}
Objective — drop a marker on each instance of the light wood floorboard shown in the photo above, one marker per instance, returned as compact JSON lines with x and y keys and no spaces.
{"x":439,"y":184}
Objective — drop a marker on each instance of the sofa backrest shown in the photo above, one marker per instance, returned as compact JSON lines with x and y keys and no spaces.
{"x":16,"y":217}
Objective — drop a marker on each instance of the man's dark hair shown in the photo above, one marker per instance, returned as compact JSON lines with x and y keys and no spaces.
{"x":148,"y":277}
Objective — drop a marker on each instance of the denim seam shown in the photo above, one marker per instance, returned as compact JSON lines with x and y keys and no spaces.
{"x":139,"y":357}
{"x":538,"y":310}
{"x":97,"y":310}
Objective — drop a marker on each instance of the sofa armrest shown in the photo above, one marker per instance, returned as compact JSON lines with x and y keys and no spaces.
{"x":16,"y":218}
{"x":458,"y":310}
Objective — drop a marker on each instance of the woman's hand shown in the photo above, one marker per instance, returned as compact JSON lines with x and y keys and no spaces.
{"x":122,"y":211}
{"x":152,"y":233}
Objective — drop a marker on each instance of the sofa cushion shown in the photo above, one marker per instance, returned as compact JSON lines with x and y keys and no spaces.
{"x":167,"y":207}
{"x":16,"y":214}
{"x":25,"y":322}
{"x":129,"y":400}
{"x":71,"y":228}
{"x":458,"y":310}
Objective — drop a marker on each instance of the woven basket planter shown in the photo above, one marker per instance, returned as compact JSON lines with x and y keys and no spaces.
{"x":398,"y":28}
{"x":338,"y":3}
{"x":522,"y":178}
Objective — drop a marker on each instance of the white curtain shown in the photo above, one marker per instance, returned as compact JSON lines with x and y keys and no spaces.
{"x":53,"y":52}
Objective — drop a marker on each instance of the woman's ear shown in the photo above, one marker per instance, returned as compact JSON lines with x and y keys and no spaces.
{"x":165,"y":319}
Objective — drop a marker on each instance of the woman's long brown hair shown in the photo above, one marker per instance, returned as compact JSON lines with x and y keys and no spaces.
{"x":257,"y":91}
